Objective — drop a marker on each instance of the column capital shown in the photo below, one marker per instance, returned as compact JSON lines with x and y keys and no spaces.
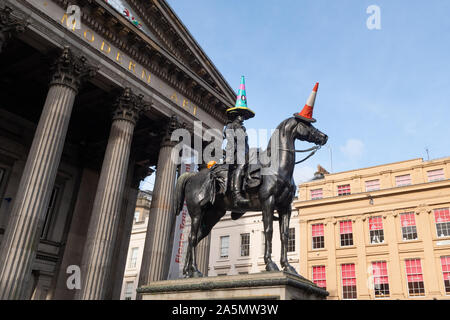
{"x":9,"y":26}
{"x":129,"y":106}
{"x":172,"y":125}
{"x":71,"y":71}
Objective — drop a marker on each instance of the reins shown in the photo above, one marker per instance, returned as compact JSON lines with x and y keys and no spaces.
{"x":313,"y":151}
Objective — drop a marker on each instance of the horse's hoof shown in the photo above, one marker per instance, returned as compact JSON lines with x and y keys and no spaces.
{"x":197,"y":274}
{"x":290,"y":269}
{"x":272,"y":266}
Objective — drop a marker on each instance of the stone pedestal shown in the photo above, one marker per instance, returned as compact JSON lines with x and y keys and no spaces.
{"x":264,"y":285}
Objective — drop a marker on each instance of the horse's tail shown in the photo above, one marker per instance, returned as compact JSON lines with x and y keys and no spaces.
{"x":179,"y":192}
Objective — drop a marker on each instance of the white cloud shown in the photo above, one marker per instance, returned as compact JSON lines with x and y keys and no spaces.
{"x":353,"y":149}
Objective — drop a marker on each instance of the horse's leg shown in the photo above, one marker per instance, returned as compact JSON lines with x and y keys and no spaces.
{"x":187,"y":259}
{"x":285,"y":216}
{"x":267,"y":209}
{"x":193,"y":241}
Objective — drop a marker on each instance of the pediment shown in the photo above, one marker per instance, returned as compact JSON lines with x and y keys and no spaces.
{"x":127,"y":11}
{"x":157,"y":20}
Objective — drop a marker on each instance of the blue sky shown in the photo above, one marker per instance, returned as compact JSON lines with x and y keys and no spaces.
{"x":384,"y":95}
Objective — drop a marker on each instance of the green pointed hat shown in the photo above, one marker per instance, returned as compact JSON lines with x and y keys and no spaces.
{"x":241,"y":103}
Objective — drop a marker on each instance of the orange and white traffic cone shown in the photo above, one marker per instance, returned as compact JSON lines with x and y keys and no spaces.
{"x":307,"y":112}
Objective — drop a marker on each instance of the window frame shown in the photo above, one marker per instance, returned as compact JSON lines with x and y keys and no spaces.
{"x":436,"y":170}
{"x":414,"y":274}
{"x":340,"y":189}
{"x":367,"y":181}
{"x":380,"y":276}
{"x":126,"y":292}
{"x":244,"y":247}
{"x":317,"y":239}
{"x":354,"y":288}
{"x":346,"y":237}
{"x":414,"y":227}
{"x":291,"y":240}
{"x":376,"y":232}
{"x":440,"y":225}
{"x":446,"y":282}
{"x":316,"y":197}
{"x":222,"y":248}
{"x":132,"y":262}
{"x":322,"y":272}
{"x":403,"y":184}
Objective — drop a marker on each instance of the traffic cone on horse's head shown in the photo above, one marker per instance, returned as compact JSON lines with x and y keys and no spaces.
{"x":241,"y":103}
{"x":307,"y":112}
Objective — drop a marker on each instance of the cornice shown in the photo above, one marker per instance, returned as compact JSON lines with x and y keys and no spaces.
{"x":103,"y":19}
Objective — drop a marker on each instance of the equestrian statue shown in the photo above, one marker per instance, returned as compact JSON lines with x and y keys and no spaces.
{"x":239,"y":186}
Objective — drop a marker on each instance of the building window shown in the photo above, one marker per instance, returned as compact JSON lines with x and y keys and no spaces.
{"x":129,"y":286}
{"x":346,"y":233}
{"x":318,"y":239}
{"x":380,"y":279}
{"x":445,"y":263}
{"x":343,"y":189}
{"x":409,"y":230}
{"x":136,"y":216}
{"x":51,"y":209}
{"x":348,"y":281}
{"x":376,"y":229}
{"x":415,"y":277}
{"x":291,"y":240}
{"x":316,"y":194}
{"x":224,"y":245}
{"x":404,"y":180}
{"x":442,"y":217}
{"x":319,"y":276}
{"x":133,"y":258}
{"x":373,"y":185}
{"x":245,"y":244}
{"x":435,"y":175}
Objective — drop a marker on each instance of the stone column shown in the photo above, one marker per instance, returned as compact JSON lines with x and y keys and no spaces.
{"x":202,"y":255}
{"x":157,"y":251}
{"x":99,"y":249}
{"x":125,"y":229}
{"x":9,"y":26}
{"x":394,"y":266}
{"x":21,"y":239}
{"x":361,"y":266}
{"x":332,"y":269}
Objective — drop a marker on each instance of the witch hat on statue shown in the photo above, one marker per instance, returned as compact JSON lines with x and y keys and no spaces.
{"x":241,"y":103}
{"x":307,"y":112}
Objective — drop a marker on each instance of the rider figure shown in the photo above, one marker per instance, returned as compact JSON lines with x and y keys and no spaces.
{"x":235,"y":133}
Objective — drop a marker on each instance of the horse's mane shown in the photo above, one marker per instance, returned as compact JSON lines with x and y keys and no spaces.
{"x":282,"y":128}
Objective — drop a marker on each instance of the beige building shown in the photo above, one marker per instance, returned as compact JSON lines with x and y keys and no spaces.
{"x":378,"y":232}
{"x":237,"y":246}
{"x":136,"y":246}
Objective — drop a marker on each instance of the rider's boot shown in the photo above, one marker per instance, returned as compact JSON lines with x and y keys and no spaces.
{"x":238,"y":199}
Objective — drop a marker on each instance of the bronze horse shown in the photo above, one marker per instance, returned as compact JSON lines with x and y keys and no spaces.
{"x":275,"y":192}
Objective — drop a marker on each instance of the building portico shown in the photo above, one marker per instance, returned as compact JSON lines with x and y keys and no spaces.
{"x":86,"y":111}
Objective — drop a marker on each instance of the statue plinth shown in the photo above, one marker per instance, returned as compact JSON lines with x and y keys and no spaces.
{"x":264,"y":285}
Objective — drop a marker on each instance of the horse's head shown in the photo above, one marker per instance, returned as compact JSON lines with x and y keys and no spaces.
{"x":307,"y":132}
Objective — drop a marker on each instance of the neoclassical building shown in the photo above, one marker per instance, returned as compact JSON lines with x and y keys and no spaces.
{"x":90,"y":94}
{"x":381,"y":232}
